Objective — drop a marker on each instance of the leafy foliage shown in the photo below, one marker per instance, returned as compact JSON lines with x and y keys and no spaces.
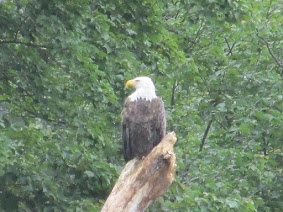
{"x":217,"y":64}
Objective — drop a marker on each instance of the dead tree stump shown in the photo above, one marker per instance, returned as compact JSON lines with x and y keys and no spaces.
{"x":142,"y":181}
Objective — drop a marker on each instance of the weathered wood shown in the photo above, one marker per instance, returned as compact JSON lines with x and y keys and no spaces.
{"x":142,"y":181}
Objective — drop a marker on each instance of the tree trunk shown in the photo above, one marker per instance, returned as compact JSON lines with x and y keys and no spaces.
{"x":142,"y":181}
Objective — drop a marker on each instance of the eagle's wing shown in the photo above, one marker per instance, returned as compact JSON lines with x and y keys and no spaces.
{"x":126,"y":134}
{"x":150,"y":117}
{"x":161,"y":121}
{"x":126,"y":139}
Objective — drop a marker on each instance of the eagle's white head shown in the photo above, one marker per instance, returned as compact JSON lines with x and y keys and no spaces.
{"x":145,"y":89}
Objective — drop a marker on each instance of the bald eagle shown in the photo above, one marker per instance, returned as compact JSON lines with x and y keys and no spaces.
{"x":143,"y":119}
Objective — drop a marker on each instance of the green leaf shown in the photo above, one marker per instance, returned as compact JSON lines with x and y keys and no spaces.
{"x":231,"y":203}
{"x":89,"y":173}
{"x":244,"y":129}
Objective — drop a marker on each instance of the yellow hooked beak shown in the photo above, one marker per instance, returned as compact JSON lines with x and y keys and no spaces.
{"x":131,"y":83}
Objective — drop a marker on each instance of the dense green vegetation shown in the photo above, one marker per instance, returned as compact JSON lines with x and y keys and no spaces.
{"x":218,"y":65}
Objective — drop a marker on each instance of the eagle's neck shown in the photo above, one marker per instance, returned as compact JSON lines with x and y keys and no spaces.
{"x":147,"y":94}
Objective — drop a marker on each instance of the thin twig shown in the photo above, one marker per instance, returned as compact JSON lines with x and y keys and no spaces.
{"x":173,"y":93}
{"x":229,"y":47}
{"x":269,"y":11}
{"x":173,"y":98}
{"x":279,"y":63}
{"x":205,"y":135}
{"x":198,"y":33}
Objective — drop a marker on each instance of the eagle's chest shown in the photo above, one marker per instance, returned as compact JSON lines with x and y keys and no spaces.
{"x":140,"y":112}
